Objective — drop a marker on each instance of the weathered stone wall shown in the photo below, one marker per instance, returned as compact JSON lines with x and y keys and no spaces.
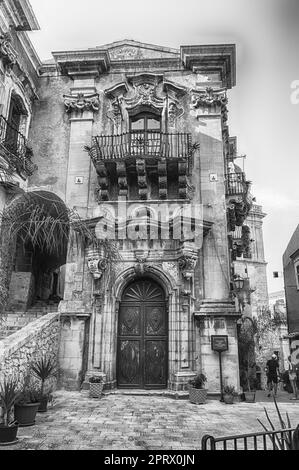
{"x":39,"y":338}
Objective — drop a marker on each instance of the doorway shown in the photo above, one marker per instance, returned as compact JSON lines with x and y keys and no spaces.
{"x":142,"y":346}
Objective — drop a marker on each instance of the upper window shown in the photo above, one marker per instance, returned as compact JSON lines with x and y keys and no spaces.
{"x":15,"y":123}
{"x":145,"y":122}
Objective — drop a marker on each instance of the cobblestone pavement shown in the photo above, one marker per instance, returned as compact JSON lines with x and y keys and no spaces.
{"x":120,"y":422}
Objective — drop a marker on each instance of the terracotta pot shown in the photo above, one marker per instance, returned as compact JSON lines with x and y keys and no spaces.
{"x":25,"y":413}
{"x":228,"y":399}
{"x":8,"y":434}
{"x":198,"y":395}
{"x":95,"y":389}
{"x":249,"y":397}
{"x":43,"y":405}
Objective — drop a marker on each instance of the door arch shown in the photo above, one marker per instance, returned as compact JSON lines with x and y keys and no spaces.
{"x":142,"y":346}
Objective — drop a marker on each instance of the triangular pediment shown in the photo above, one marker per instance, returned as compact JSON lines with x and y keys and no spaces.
{"x":128,"y":49}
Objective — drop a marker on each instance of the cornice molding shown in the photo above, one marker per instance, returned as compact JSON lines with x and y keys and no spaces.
{"x":82,"y":63}
{"x":20,"y":15}
{"x":214,"y":57}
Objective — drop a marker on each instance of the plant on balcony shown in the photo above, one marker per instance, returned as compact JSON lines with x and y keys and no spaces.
{"x":246,"y":241}
{"x":43,"y":369}
{"x":8,"y":395}
{"x":197,"y":391}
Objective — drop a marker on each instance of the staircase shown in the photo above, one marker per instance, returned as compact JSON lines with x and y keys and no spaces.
{"x":14,"y":320}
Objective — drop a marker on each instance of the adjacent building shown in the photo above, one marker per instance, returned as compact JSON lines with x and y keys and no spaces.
{"x":291,"y":283}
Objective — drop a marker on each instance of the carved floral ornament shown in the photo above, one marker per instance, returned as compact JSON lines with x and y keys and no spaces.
{"x":174,"y":112}
{"x":145,"y":93}
{"x":209,"y":97}
{"x":145,"y":89}
{"x":82,"y":102}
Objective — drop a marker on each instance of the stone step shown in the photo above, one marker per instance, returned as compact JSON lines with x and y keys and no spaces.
{"x":160,"y":393}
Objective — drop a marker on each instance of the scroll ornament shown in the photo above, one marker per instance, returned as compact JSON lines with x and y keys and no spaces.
{"x":82,"y":102}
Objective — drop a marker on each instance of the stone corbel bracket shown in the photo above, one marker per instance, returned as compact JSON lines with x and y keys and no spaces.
{"x":81,"y":102}
{"x":7,"y":52}
{"x":97,"y":266}
{"x":188,"y":261}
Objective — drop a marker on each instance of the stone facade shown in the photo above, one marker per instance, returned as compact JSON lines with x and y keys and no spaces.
{"x":41,"y":337}
{"x":98,"y":93}
{"x":134,"y":138}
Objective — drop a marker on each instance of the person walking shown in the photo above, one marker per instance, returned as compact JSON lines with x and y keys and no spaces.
{"x":293,"y":378}
{"x":272,"y":370}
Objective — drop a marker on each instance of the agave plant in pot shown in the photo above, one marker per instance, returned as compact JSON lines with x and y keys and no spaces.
{"x":197,"y":391}
{"x":27,"y":404}
{"x":43,"y":369}
{"x":96,"y":384}
{"x":8,"y":426}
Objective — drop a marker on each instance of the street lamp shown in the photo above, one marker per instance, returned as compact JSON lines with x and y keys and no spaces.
{"x":238,"y":283}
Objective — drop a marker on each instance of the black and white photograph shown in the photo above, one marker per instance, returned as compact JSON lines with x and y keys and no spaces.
{"x":149,"y":228}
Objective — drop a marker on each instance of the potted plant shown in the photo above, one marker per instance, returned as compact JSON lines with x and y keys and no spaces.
{"x":8,"y":427}
{"x":96,"y":384}
{"x":197,"y":392}
{"x":229,"y":393}
{"x":43,"y":369}
{"x":27,"y":404}
{"x":249,"y":394}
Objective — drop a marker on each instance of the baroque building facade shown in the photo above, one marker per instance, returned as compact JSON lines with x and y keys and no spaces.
{"x":134,"y":139}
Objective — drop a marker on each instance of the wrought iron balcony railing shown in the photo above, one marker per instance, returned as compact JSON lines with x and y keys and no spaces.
{"x":14,"y":149}
{"x":236,"y":184}
{"x":142,"y":145}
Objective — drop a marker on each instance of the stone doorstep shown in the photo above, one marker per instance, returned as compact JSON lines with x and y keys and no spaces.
{"x":177,"y":395}
{"x":148,"y":393}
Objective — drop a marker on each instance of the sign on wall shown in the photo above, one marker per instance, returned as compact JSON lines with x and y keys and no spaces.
{"x":219,"y":343}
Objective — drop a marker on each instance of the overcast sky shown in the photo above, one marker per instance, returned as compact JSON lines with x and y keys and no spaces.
{"x":266,"y":33}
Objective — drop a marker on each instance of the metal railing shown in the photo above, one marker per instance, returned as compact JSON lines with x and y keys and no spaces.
{"x":16,"y":152}
{"x":142,"y":144}
{"x":282,"y":439}
{"x":236,"y":184}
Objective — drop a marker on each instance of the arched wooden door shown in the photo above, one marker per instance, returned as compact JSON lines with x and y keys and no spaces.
{"x":142,"y":337}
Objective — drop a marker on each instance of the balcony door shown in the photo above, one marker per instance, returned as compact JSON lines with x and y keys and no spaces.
{"x":145,"y":134}
{"x":13,"y":137}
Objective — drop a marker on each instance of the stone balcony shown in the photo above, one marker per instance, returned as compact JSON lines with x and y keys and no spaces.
{"x":238,"y":197}
{"x":143,"y":160}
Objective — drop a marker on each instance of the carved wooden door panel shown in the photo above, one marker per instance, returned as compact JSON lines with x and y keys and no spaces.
{"x":142,"y":337}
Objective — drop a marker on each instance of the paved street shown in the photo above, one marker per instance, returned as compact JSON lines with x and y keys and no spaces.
{"x":142,"y":422}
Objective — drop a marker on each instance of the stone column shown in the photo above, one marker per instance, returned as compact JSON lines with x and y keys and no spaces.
{"x":80,"y":104}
